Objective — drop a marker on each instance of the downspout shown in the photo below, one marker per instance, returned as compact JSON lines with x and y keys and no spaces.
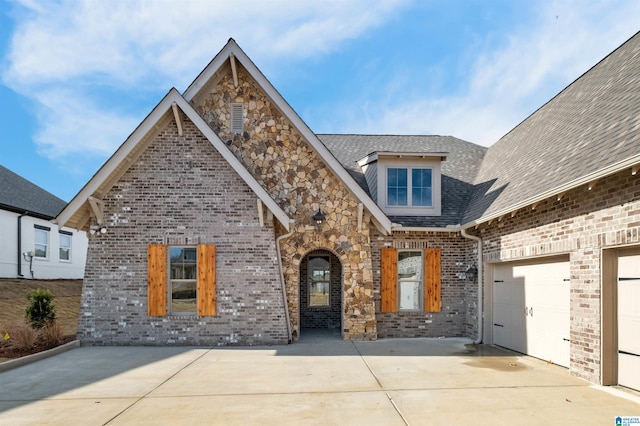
{"x":284,"y":287}
{"x":20,"y":245}
{"x":480,"y":275}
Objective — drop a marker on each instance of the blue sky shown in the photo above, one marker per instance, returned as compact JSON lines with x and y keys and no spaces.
{"x":77,"y":77}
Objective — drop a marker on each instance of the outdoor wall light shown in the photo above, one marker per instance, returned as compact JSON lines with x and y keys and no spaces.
{"x":318,"y":217}
{"x":98,"y":230}
{"x":471,"y":273}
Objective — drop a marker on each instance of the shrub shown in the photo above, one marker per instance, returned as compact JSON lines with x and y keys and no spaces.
{"x":21,"y":336}
{"x":51,"y":334}
{"x":40,"y":310}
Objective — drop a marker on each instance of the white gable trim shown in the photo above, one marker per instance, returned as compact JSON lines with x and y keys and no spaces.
{"x":231,"y":48}
{"x":127,"y":148}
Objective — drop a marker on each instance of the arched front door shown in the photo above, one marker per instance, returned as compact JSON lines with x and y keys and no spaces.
{"x":320,"y":292}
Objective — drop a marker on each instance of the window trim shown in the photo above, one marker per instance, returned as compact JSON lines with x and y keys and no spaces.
{"x":436,"y":197}
{"x":47,"y":231}
{"x":328,"y":281}
{"x":420,"y":281}
{"x":66,"y":234}
{"x":171,"y":281}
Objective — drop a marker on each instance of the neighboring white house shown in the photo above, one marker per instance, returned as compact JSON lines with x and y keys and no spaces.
{"x":31,"y":245}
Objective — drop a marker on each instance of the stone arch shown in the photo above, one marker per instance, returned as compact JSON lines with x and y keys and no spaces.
{"x":321,"y":311}
{"x":358,"y":309}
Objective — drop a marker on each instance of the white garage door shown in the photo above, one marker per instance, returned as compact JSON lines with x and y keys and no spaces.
{"x":531,"y":308}
{"x":629,"y":321}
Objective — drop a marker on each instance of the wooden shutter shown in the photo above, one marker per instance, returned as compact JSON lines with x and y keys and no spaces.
{"x":206,"y":279}
{"x":432,"y":280}
{"x":389,"y":279}
{"x":157,"y":280}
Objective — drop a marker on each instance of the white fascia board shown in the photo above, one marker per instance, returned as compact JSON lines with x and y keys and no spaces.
{"x":231,"y":159}
{"x":132,"y":141}
{"x":378,"y":155}
{"x":599,"y":174}
{"x":232,"y":48}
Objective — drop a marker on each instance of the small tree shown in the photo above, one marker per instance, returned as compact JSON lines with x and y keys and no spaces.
{"x":40,"y":311}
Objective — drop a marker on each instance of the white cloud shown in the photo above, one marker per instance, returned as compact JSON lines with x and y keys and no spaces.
{"x":63,"y":51}
{"x":505,"y":85}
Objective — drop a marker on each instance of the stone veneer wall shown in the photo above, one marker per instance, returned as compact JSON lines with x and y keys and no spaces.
{"x":296,"y":177}
{"x":458,"y":296}
{"x":182,"y":191}
{"x":582,"y":223}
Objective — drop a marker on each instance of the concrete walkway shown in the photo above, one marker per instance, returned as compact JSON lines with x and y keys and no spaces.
{"x":315,"y":381}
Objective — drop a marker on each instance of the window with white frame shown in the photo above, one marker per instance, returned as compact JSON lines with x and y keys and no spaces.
{"x":410,"y":286}
{"x":41,"y":242}
{"x":65,"y":245}
{"x":183,"y":275}
{"x":409,"y":187}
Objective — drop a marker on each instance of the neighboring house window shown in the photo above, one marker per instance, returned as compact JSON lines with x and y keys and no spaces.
{"x":65,"y":245}
{"x":409,"y":187}
{"x":41,"y":244}
{"x":319,"y":279}
{"x":410,"y":280}
{"x":237,"y":118}
{"x":181,"y":280}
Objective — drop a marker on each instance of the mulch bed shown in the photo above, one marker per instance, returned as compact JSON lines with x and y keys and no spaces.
{"x":9,"y":352}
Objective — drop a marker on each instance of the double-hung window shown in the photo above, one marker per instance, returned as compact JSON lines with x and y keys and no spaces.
{"x":65,"y":245}
{"x":41,"y":242}
{"x":410,"y":280}
{"x":183,"y":268}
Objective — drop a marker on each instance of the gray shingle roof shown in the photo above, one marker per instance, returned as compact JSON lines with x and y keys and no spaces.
{"x":458,"y":170}
{"x":591,"y":124}
{"x":19,"y":195}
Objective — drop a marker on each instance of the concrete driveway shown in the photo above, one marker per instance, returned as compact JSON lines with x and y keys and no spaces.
{"x":315,"y":381}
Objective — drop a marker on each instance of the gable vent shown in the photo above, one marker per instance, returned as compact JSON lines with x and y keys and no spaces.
{"x":237,"y":121}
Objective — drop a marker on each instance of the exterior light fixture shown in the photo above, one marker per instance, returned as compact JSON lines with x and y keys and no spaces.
{"x":99,"y":230}
{"x":318,"y":217}
{"x":471,"y":273}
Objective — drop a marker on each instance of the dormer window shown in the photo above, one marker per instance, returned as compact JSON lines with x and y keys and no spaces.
{"x":405,"y":184}
{"x":409,"y":186}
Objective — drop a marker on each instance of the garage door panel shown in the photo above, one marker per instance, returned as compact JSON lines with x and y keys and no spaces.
{"x":534,"y":297}
{"x":628,"y":320}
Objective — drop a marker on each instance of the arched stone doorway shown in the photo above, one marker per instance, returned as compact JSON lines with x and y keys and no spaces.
{"x":321,"y":292}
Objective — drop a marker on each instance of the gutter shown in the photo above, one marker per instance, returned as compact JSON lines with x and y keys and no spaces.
{"x":284,"y":288}
{"x":20,"y":244}
{"x":480,"y":275}
{"x":450,"y":228}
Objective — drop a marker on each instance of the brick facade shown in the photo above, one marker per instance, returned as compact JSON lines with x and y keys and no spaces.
{"x":182,"y":192}
{"x":458,"y":295}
